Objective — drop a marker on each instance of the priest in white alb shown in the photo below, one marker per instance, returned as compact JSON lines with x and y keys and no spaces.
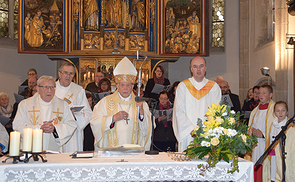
{"x":74,"y":95}
{"x":193,"y":96}
{"x":114,"y":119}
{"x":47,"y":112}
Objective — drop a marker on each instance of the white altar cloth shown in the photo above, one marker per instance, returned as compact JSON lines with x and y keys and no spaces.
{"x":61,"y":167}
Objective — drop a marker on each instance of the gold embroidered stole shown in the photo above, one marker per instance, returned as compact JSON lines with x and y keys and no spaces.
{"x":112,"y":108}
{"x":267,"y":126}
{"x":198,"y":94}
{"x":72,"y":93}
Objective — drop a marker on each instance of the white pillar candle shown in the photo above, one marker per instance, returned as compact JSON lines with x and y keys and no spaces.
{"x":37,"y":140}
{"x":14,"y":143}
{"x":92,"y":76}
{"x":85,"y":76}
{"x":88,"y":74}
{"x":27,"y":139}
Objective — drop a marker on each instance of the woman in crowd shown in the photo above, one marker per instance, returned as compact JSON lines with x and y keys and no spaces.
{"x":105,"y":85}
{"x":32,"y":91}
{"x":164,"y":137}
{"x":172,"y":91}
{"x":5,"y":108}
{"x":157,"y":79}
{"x":251,"y":104}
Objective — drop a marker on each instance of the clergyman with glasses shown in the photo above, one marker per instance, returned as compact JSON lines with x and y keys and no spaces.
{"x":74,"y":95}
{"x":47,"y":112}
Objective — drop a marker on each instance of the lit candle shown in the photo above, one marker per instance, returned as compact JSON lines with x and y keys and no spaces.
{"x":27,"y":139}
{"x":85,"y":76}
{"x":37,"y":140}
{"x":14,"y":143}
{"x":88,"y":74}
{"x":92,"y":76}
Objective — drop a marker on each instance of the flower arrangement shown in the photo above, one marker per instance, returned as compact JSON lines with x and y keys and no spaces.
{"x":220,"y":137}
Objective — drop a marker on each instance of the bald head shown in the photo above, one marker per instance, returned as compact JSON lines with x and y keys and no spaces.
{"x":224,"y":87}
{"x":198,"y":68}
{"x":218,"y":79}
{"x":31,"y":82}
{"x":98,"y":77}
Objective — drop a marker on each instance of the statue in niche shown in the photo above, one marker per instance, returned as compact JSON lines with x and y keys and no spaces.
{"x":91,"y":14}
{"x":113,"y":12}
{"x":138,"y":15}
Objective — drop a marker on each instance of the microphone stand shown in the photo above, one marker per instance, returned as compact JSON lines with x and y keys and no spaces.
{"x":281,"y":136}
{"x":152,"y":151}
{"x":139,"y":83}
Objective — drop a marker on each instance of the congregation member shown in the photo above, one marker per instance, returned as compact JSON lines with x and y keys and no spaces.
{"x":31,"y":73}
{"x":47,"y":112}
{"x":228,"y":98}
{"x":172,"y":91}
{"x":104,"y":85}
{"x":158,"y":78}
{"x":93,"y":86}
{"x":74,"y":95}
{"x":114,"y":119}
{"x":193,"y":96}
{"x":4,"y":138}
{"x":260,"y":122}
{"x":31,"y":82}
{"x":251,"y":104}
{"x":5,"y":108}
{"x":164,"y":138}
{"x":218,"y":79}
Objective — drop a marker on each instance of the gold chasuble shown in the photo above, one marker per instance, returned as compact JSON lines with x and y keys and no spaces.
{"x":123,"y":132}
{"x":198,"y":94}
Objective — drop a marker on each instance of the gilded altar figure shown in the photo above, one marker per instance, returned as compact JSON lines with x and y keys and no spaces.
{"x":137,"y":15}
{"x":37,"y":28}
{"x":194,"y":24}
{"x":114,"y":11}
{"x":28,"y":28}
{"x":91,"y":14}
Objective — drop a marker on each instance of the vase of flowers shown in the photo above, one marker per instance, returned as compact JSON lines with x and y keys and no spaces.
{"x":221,"y":137}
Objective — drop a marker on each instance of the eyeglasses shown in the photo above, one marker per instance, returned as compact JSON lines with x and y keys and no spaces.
{"x":47,"y":87}
{"x":31,"y":74}
{"x":67,"y":73}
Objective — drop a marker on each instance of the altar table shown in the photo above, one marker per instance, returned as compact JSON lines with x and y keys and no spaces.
{"x":61,"y":167}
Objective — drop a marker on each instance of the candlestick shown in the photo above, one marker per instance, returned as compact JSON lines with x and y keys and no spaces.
{"x":27,"y":139}
{"x":14,"y":143}
{"x":37,"y":140}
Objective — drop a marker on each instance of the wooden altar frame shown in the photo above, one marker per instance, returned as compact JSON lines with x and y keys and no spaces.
{"x":48,"y":46}
{"x":204,"y":22}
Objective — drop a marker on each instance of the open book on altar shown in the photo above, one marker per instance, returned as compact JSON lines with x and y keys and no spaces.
{"x":167,"y":113}
{"x":77,"y":108}
{"x":158,"y":88}
{"x":98,"y":96}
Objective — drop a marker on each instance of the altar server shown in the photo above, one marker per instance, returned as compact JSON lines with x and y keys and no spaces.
{"x":44,"y":110}
{"x":115,"y":118}
{"x":74,"y":95}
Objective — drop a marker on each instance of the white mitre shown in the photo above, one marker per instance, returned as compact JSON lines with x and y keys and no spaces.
{"x":125,"y":71}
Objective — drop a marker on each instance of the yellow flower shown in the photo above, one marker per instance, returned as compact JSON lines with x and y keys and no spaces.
{"x":232,"y":120}
{"x":244,"y":137}
{"x":225,"y":131}
{"x":214,"y":141}
{"x":209,"y":117}
{"x":219,"y":120}
{"x":196,"y":128}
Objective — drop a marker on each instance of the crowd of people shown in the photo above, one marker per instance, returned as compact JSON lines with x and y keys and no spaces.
{"x":119,"y":118}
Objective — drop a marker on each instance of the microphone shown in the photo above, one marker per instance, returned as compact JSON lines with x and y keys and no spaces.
{"x":145,"y":99}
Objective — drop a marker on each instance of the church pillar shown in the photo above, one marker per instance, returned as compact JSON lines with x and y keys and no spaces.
{"x":244,"y":49}
{"x":281,"y":60}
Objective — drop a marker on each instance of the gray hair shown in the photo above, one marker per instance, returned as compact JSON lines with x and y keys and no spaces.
{"x":66,"y":64}
{"x":45,"y":78}
{"x":4,"y":94}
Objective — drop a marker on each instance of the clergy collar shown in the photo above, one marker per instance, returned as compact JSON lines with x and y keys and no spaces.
{"x":43,"y":102}
{"x":124,"y":99}
{"x":202,"y":82}
{"x":62,"y":85}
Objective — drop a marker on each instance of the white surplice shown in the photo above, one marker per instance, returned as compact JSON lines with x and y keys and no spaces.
{"x":4,"y":138}
{"x":76,"y":94}
{"x":187,"y":109}
{"x":32,"y":112}
{"x":101,"y":120}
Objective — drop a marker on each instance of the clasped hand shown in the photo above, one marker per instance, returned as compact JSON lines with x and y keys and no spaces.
{"x":257,"y":132}
{"x":47,"y":126}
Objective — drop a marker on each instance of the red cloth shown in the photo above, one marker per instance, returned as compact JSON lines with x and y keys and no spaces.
{"x":272,"y":152}
{"x":263,"y":106}
{"x":161,"y":107}
{"x":258,"y":173}
{"x":159,"y":80}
